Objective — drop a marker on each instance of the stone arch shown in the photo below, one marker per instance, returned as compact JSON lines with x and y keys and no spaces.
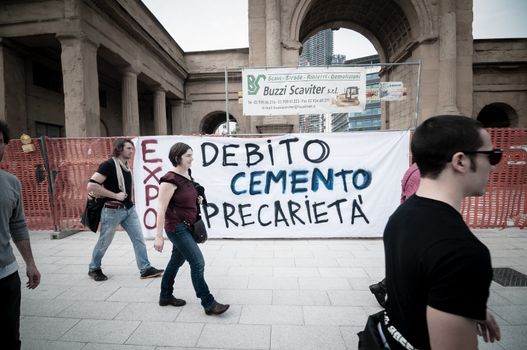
{"x":498,"y":115}
{"x":212,"y":120}
{"x":104,"y":131}
{"x":392,"y":26}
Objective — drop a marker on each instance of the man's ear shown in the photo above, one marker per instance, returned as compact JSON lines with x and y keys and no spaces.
{"x":460,"y":162}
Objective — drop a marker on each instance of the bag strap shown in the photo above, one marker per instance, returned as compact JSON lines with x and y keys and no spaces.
{"x":396,"y":335}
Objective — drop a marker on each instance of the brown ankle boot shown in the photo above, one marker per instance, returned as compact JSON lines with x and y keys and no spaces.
{"x":216,"y":309}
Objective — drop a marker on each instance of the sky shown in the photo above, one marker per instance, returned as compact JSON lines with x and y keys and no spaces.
{"x":199,"y":25}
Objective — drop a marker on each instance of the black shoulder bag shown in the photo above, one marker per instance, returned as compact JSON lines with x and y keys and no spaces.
{"x":91,"y":217}
{"x":198,"y":229}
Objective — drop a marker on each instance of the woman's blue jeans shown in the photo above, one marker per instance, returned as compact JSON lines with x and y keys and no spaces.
{"x":185,"y":248}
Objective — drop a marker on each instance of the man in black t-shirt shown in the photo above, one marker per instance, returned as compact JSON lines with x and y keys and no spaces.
{"x":438,"y":273}
{"x":113,"y":181}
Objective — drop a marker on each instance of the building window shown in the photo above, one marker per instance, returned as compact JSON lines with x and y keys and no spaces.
{"x":49,"y":130}
{"x":47,"y":78}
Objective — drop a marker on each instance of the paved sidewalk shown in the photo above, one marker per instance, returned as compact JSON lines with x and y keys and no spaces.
{"x":284,"y":294}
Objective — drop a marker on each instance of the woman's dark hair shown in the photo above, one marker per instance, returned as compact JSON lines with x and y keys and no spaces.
{"x":437,"y":139}
{"x":118,"y":146}
{"x":176,"y":151}
{"x":5,"y":131}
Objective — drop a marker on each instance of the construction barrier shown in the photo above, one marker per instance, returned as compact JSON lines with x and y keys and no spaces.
{"x":54,"y":178}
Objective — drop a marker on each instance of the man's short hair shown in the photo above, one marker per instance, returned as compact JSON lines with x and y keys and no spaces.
{"x":5,"y":131}
{"x":118,"y":146}
{"x":437,"y":139}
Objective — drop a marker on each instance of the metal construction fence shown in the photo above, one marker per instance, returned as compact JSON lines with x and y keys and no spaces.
{"x":55,"y":174}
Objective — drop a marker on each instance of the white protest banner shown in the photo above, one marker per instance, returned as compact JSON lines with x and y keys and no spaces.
{"x":303,"y":90}
{"x":297,"y":185}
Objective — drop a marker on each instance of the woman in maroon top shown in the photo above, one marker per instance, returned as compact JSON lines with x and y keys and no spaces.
{"x":177,"y":208}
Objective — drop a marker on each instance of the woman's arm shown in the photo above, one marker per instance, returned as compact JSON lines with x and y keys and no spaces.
{"x":166,"y":190}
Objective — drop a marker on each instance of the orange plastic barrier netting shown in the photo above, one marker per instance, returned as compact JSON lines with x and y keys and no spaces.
{"x":504,"y":202}
{"x":30,"y":170}
{"x":54,"y":196}
{"x":72,"y":162}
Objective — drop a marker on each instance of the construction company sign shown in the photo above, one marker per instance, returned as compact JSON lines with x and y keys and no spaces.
{"x":303,"y":90}
{"x":296,"y":185}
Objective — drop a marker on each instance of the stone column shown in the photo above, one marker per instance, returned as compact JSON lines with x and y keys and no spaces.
{"x":81,"y":86}
{"x":273,"y":54}
{"x":176,"y":108}
{"x":160,"y":112}
{"x":130,"y":102}
{"x":447,"y":102}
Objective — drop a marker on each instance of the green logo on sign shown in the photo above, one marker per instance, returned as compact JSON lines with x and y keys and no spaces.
{"x":252,"y":83}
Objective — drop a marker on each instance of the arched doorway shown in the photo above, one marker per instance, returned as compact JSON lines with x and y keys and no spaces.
{"x":212,"y":121}
{"x":498,"y":115}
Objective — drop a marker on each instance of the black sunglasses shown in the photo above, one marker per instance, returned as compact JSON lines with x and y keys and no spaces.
{"x":494,"y":155}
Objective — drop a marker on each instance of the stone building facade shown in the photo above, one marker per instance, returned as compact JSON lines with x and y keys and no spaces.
{"x":80,"y":68}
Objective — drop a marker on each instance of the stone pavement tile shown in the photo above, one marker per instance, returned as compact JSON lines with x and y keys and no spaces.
{"x":210,"y":270}
{"x":359,"y":283}
{"x":227,"y":282}
{"x":316,"y":262}
{"x":45,"y":269}
{"x":513,"y":337}
{"x":296,"y":272}
{"x":294,"y":253}
{"x":244,"y":296}
{"x":272,"y":314}
{"x":264,"y":282}
{"x":516,"y":295}
{"x":489,"y":346}
{"x":148,"y":312}
{"x":101,"y":310}
{"x":342,"y":272}
{"x":45,"y":328}
{"x":180,"y":348}
{"x":332,"y":253}
{"x":254,"y":253}
{"x":135,"y":295}
{"x":300,"y":297}
{"x":166,"y":334}
{"x":376,"y":272}
{"x":126,"y":281}
{"x":46,"y":258}
{"x":363,"y":262}
{"x":101,"y":331}
{"x":273,"y":262}
{"x":351,"y":298}
{"x":227,"y":261}
{"x":495,"y":298}
{"x":250,"y":271}
{"x":334,"y":315}
{"x":100,"y":346}
{"x":194,"y":313}
{"x":349,"y":334}
{"x":67,"y":279}
{"x":323,"y":283}
{"x":33,"y":344}
{"x":306,"y":338}
{"x":50,"y":308}
{"x":235,"y":336}
{"x":369,"y":254}
{"x":96,"y":293}
{"x":43,"y":292}
{"x":515,"y":315}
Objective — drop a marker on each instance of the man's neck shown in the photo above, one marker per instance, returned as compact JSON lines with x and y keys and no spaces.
{"x":442,"y":190}
{"x":123,"y":160}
